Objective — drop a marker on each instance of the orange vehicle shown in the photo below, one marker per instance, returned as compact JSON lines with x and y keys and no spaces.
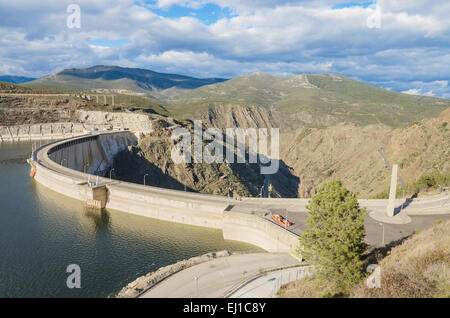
{"x":281,"y":220}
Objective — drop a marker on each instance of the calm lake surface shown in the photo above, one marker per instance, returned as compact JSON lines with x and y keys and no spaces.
{"x":42,"y":232}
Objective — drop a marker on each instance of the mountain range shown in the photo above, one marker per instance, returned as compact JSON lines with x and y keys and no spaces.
{"x":115,"y":77}
{"x":15,"y":79}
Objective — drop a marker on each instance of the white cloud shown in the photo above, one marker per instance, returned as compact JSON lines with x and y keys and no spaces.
{"x":411,"y":50}
{"x":418,"y":91}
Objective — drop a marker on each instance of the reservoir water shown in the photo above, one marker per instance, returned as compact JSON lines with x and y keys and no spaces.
{"x":42,"y":232}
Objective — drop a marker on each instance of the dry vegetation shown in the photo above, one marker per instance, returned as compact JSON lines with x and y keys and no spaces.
{"x":419,"y":267}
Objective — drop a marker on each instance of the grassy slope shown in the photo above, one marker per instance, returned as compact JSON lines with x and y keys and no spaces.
{"x":330,"y":97}
{"x":420,"y":267}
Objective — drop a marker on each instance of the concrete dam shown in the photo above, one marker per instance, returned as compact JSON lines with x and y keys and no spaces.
{"x":76,"y":167}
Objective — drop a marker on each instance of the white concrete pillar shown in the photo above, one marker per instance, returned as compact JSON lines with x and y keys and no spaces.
{"x":392,"y":192}
{"x":104,"y":96}
{"x":112,"y":97}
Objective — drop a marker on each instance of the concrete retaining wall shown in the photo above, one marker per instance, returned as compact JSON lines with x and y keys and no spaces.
{"x":87,"y":120}
{"x":41,"y":131}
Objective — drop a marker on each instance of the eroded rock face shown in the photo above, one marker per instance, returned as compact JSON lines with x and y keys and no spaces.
{"x":230,"y":115}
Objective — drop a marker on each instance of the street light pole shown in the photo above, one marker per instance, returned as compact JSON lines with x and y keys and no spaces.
{"x":145,"y":176}
{"x":110,"y":172}
{"x":196,"y":286}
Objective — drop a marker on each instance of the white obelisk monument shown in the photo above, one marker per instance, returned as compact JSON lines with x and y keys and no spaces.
{"x":393,"y":190}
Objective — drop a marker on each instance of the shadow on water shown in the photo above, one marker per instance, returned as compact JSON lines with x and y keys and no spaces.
{"x":100,"y":218}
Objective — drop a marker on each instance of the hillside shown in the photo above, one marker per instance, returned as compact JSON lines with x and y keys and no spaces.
{"x":419,"y":267}
{"x":332,"y":127}
{"x":115,"y":77}
{"x":355,"y":155}
{"x":24,"y":105}
{"x":307,"y":100}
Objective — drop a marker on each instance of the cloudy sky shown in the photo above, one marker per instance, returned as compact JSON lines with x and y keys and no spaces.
{"x":403,"y":45}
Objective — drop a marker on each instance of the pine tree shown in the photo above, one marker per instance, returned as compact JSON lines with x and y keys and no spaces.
{"x":334,"y":240}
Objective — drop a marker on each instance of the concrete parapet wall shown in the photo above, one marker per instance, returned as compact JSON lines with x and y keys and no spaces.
{"x":165,"y":207}
{"x":258,"y":231}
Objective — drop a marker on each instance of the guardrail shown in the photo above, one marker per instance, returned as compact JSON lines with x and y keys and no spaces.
{"x":277,"y":286}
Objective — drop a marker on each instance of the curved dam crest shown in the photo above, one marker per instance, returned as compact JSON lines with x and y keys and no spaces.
{"x":61,"y":167}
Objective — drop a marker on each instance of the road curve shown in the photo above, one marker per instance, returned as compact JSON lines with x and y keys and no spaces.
{"x":218,"y":276}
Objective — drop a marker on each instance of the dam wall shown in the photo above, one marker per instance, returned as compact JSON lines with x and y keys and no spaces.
{"x":92,"y":154}
{"x":60,"y":166}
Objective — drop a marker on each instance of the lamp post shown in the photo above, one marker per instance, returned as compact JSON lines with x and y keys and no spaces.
{"x":145,"y":176}
{"x":196,"y":286}
{"x":110,"y":172}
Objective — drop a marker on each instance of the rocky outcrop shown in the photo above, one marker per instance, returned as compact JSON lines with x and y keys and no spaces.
{"x":143,"y":283}
{"x":223,"y":115}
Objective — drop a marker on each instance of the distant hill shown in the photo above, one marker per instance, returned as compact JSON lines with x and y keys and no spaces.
{"x":15,"y":79}
{"x":307,"y":99}
{"x":115,"y":77}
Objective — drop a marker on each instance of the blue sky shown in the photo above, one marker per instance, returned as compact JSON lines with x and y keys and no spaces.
{"x":354,"y":4}
{"x":207,"y":13}
{"x":401,"y":45}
